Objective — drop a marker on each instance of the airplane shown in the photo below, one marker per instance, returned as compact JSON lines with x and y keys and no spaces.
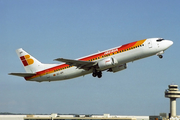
{"x":111,"y":60}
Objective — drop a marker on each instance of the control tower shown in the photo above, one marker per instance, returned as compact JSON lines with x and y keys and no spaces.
{"x":172,"y":93}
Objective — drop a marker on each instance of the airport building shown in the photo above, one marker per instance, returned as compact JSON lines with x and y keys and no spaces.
{"x":72,"y":117}
{"x":83,"y":117}
{"x":86,"y":117}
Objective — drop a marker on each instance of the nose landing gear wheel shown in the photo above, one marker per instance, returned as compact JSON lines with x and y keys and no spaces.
{"x":160,"y":56}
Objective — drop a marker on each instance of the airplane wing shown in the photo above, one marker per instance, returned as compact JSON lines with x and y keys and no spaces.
{"x":78,"y":63}
{"x":22,"y":74}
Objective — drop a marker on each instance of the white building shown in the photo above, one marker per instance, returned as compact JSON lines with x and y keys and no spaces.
{"x":71,"y":117}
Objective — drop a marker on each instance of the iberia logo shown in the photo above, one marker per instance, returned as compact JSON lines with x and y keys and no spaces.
{"x":26,"y":60}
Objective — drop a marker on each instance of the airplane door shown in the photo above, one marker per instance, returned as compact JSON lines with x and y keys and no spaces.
{"x":149,"y":43}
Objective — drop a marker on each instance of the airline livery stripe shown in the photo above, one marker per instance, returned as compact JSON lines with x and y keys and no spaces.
{"x":138,"y":43}
{"x":97,"y":56}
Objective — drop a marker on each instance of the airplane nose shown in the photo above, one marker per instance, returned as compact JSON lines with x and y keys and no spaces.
{"x":170,"y":43}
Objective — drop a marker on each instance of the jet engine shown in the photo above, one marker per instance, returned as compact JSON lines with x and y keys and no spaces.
{"x":107,"y":63}
{"x":118,"y":68}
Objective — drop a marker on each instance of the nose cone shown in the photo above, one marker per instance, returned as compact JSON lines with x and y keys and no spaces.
{"x":168,"y":43}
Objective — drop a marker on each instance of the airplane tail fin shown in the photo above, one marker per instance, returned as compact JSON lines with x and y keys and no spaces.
{"x":31,"y":64}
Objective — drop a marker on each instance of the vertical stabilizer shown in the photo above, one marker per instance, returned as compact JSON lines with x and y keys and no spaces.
{"x":31,"y":64}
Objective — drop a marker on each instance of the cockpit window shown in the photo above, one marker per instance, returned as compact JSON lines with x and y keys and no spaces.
{"x":159,"y":40}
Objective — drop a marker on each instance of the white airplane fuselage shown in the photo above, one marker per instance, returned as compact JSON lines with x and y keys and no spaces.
{"x":112,"y":60}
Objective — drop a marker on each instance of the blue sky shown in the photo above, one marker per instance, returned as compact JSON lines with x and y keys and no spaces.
{"x":72,"y":29}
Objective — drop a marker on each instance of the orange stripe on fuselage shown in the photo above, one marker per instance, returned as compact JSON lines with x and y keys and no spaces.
{"x":138,"y":43}
{"x":112,"y":51}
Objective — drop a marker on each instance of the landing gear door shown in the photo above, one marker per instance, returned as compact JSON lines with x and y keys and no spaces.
{"x":149,"y":43}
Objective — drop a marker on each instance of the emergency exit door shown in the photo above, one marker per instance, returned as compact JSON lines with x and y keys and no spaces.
{"x":149,"y":43}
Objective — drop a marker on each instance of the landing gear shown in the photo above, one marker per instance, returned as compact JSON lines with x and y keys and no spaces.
{"x":94,"y":74}
{"x":160,"y":56}
{"x":97,"y":73}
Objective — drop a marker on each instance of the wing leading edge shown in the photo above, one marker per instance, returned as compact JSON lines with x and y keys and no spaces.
{"x":78,"y":63}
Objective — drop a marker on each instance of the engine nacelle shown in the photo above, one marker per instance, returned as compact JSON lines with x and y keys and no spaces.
{"x":118,"y":68}
{"x":107,"y":63}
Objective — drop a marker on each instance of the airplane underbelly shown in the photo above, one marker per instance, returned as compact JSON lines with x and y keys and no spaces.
{"x":69,"y":73}
{"x":76,"y":73}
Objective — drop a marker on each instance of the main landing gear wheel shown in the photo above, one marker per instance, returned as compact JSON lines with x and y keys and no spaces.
{"x":160,"y":56}
{"x":97,"y":73}
{"x":94,"y":74}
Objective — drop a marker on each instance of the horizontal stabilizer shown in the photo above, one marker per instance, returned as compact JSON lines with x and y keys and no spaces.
{"x":22,"y":74}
